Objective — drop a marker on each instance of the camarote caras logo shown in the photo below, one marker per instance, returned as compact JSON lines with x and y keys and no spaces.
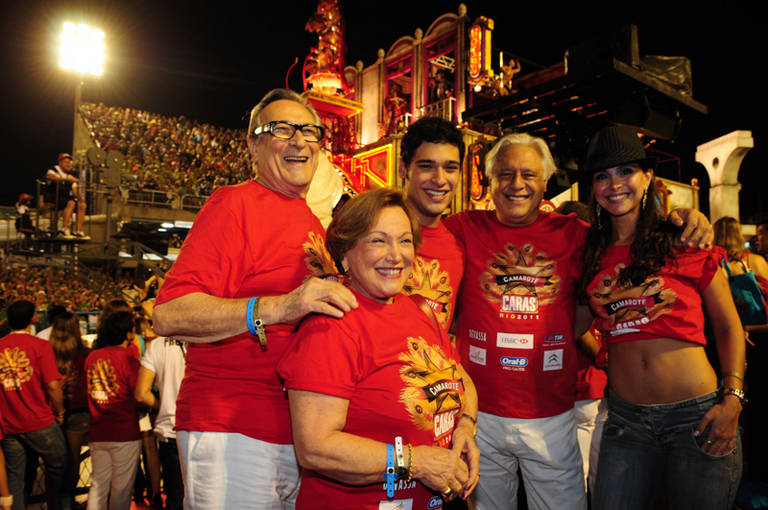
{"x":434,"y":390}
{"x":102,"y":382}
{"x":520,"y":280}
{"x":15,"y":368}
{"x":623,"y":308}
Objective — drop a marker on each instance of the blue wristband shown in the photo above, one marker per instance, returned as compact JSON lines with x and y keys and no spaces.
{"x":249,"y":317}
{"x":390,"y":471}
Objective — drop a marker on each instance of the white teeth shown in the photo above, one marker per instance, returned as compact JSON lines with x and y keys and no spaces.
{"x":438,"y":194}
{"x":390,"y":272}
{"x":296,"y":158}
{"x":616,"y":198}
{"x":516,"y":199}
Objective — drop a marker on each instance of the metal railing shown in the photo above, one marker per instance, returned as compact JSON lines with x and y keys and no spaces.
{"x":150,"y":198}
{"x":443,"y":109}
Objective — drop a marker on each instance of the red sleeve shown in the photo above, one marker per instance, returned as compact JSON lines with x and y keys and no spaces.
{"x":700,"y":265}
{"x":210,"y":252}
{"x":48,"y":368}
{"x":324,"y":358}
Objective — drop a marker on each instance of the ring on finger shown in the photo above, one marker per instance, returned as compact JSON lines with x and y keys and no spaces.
{"x":447,"y":491}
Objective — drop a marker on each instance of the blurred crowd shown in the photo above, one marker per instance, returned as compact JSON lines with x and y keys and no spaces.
{"x":170,"y":154}
{"x":85,"y":291}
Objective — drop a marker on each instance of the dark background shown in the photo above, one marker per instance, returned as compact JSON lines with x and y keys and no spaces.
{"x":212,"y":61}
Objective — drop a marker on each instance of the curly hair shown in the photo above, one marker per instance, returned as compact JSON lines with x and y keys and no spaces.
{"x":649,"y":252}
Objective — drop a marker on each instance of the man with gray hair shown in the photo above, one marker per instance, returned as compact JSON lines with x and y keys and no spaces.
{"x":247,"y":273}
{"x":517,"y":315}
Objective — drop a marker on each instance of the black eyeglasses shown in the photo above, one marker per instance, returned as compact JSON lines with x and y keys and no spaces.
{"x":286,"y":130}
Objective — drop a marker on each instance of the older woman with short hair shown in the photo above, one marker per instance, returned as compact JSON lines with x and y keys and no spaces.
{"x":382,"y":411}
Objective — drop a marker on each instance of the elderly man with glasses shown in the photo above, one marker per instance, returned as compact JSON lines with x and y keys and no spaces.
{"x":247,"y":273}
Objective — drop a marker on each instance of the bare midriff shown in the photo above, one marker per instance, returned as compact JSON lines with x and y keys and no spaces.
{"x":659,"y":371}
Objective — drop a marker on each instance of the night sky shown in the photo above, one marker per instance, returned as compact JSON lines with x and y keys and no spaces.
{"x":212,"y":61}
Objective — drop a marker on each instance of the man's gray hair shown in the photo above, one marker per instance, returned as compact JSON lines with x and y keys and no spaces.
{"x":276,"y":95}
{"x":548,"y":163}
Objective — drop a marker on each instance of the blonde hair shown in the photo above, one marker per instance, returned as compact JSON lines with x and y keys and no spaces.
{"x":728,"y":236}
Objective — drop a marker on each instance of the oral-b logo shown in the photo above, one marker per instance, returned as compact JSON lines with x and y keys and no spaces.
{"x":511,"y":361}
{"x":554,"y":338}
{"x":435,"y":502}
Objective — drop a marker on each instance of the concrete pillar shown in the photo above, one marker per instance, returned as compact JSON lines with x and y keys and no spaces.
{"x":722,"y":158}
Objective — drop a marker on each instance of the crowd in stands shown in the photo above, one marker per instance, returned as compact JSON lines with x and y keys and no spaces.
{"x":170,"y":154}
{"x":86,"y":291}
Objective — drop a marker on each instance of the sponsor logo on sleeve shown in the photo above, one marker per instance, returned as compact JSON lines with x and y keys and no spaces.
{"x":514,"y":341}
{"x":553,"y":360}
{"x":477,"y":355}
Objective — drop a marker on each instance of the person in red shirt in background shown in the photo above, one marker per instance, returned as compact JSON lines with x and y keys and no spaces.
{"x":114,"y":434}
{"x":31,"y":384}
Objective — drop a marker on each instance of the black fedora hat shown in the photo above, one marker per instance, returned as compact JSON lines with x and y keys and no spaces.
{"x":614,"y":146}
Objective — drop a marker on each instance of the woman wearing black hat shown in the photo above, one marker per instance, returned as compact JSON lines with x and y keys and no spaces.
{"x":671,"y":425}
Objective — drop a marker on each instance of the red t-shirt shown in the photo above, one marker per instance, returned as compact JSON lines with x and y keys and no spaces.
{"x":665,"y":305}
{"x":246,"y":241}
{"x":112,"y":373}
{"x":27,"y":365}
{"x":437,"y":272}
{"x":516,"y":310}
{"x":400,"y":378}
{"x":590,"y":380}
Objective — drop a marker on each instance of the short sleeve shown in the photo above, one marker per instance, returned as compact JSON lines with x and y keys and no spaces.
{"x":150,"y":360}
{"x":698,"y":265}
{"x":713,"y":261}
{"x":212,"y":250}
{"x":324,"y":358}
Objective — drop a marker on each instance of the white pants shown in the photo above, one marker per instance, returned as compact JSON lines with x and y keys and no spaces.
{"x":547,"y":453}
{"x":590,"y":417}
{"x":114,"y":470}
{"x":227,"y":470}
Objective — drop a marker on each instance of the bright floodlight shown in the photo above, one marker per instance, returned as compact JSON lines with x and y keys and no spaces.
{"x":81,"y":49}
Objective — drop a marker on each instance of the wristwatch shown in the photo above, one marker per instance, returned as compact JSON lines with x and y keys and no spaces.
{"x":736,"y":393}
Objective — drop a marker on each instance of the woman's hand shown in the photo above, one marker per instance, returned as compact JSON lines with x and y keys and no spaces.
{"x":464,"y":444}
{"x":723,"y":421}
{"x":440,"y":470}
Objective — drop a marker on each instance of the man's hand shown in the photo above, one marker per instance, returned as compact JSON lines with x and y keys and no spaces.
{"x":698,"y":230}
{"x":313,"y":296}
{"x":464,"y":444}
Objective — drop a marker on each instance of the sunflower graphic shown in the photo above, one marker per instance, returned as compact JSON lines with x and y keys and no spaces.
{"x":522,"y":272}
{"x":102,"y":382}
{"x":429,"y":281}
{"x":318,"y":259}
{"x":434,"y":391}
{"x":15,"y":368}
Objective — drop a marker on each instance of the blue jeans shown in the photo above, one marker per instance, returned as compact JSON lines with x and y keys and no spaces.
{"x":50,"y":445}
{"x":649,"y":448}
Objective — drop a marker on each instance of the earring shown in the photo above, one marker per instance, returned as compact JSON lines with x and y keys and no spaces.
{"x":598,"y":210}
{"x":645,"y":196}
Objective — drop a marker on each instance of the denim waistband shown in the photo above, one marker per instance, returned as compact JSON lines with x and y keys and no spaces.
{"x":617,"y":402}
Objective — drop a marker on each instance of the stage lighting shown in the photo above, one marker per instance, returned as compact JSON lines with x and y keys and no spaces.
{"x":81,"y":49}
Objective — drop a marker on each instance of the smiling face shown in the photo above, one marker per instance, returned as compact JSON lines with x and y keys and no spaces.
{"x":285,"y":166}
{"x":432,"y":177}
{"x":379,"y":263}
{"x":518,"y":184}
{"x":619,"y":189}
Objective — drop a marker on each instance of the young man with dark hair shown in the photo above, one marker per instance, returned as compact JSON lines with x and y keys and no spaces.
{"x":31,"y":385}
{"x":431,"y":154}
